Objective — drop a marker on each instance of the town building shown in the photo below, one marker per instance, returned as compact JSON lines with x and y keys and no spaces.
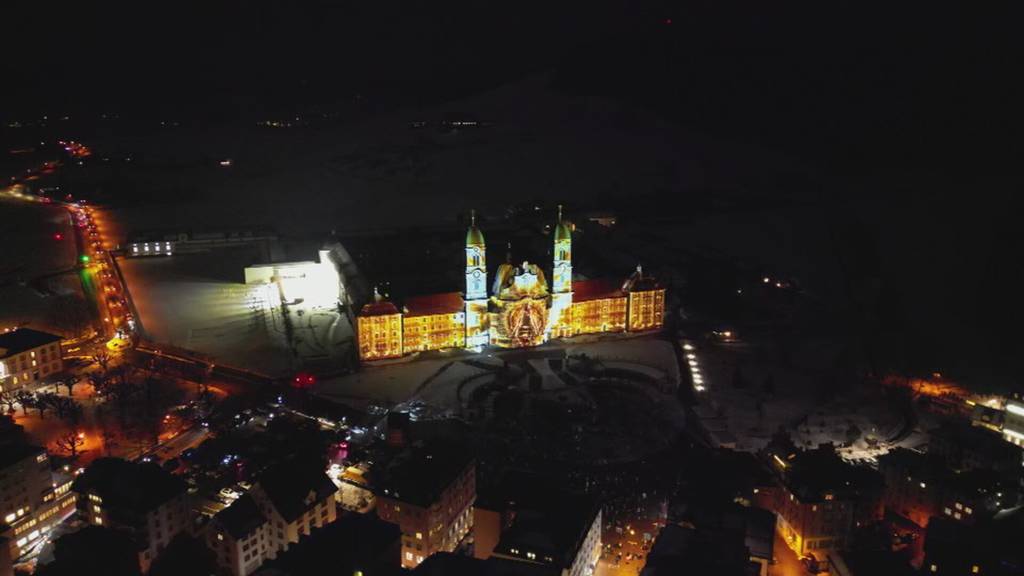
{"x":28,"y":356}
{"x":428,"y":491}
{"x":919,"y":487}
{"x":821,"y":498}
{"x":962,"y":446}
{"x":356,"y":544}
{"x":1013,"y":422}
{"x":520,"y":309}
{"x":688,"y":550}
{"x":33,"y":498}
{"x":563,"y":534}
{"x":295,"y":496}
{"x":141,"y":499}
{"x":289,"y":501}
{"x":168,"y":243}
{"x":992,"y":546}
{"x":240,"y":537}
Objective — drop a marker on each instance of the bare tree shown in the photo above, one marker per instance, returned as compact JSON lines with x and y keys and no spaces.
{"x":65,"y":407}
{"x":71,"y":441}
{"x":103,"y":359}
{"x":68,"y":382}
{"x":26,"y":399}
{"x":9,"y":399}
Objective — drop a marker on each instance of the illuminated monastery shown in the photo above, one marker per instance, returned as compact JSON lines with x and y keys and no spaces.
{"x":520,"y":310}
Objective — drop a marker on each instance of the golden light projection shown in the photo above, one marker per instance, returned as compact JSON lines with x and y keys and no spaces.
{"x":522,"y":310}
{"x":519,"y":323}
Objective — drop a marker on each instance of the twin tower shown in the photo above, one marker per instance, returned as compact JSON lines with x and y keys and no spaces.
{"x":520,"y":309}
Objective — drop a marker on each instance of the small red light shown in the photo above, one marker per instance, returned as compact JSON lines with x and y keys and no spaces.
{"x":668,"y":20}
{"x":58,"y":236}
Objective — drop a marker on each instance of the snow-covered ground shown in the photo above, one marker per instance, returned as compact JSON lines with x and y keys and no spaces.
{"x":622,"y":410}
{"x":30,"y":251}
{"x":747,"y":416}
{"x":199,"y":302}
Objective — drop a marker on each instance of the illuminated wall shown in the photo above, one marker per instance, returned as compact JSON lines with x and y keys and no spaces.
{"x":433,"y":332}
{"x":560,"y":316}
{"x":520,"y":311}
{"x":519,"y":323}
{"x":601,"y":315}
{"x":477,"y":324}
{"x":646,"y":309}
{"x":380,"y":336}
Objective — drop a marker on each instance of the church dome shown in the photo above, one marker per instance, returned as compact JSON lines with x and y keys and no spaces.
{"x":474,"y":237}
{"x":562,"y":232}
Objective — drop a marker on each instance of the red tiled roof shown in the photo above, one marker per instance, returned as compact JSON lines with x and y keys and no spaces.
{"x":382,"y":308}
{"x":596,"y":289}
{"x":444,"y":303}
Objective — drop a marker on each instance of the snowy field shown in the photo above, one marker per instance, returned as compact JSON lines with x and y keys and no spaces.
{"x":618,"y":404}
{"x":30,"y":253}
{"x":747,"y":415}
{"x":199,"y":302}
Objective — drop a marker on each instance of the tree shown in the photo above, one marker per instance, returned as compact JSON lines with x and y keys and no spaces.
{"x":68,"y":382}
{"x":102,"y":358}
{"x":71,"y":441}
{"x":26,"y":399}
{"x":9,"y":399}
{"x":65,"y":407}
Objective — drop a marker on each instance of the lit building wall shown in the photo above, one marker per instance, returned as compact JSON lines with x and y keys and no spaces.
{"x":18,"y":370}
{"x":1013,"y":423}
{"x":155,"y":248}
{"x":560,"y":315}
{"x":646,"y":309}
{"x":813,"y":527}
{"x":519,"y":311}
{"x":519,"y":323}
{"x":596,"y":316}
{"x":433,"y":332}
{"x":439,"y":527}
{"x":380,"y":336}
{"x":477,"y":323}
{"x":31,"y":500}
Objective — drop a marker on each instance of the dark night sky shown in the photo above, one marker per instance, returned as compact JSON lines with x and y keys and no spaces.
{"x":907,"y":108}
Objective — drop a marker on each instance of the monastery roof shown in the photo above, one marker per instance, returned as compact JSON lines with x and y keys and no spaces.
{"x":596,"y":289}
{"x":444,"y":303}
{"x":638,"y":282}
{"x":381,"y":308}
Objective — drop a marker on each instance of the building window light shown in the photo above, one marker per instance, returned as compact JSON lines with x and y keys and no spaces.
{"x":419,"y":535}
{"x":975,"y":569}
{"x":10,"y":517}
{"x":99,"y":520}
{"x":934,"y":568}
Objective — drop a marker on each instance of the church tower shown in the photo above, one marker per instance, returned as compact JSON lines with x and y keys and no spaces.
{"x":476,"y":286}
{"x":560,"y":318}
